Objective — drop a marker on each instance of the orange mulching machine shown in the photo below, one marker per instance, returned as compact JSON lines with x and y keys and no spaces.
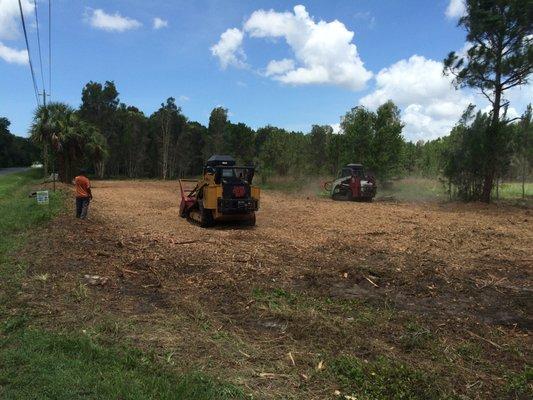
{"x":224,"y":193}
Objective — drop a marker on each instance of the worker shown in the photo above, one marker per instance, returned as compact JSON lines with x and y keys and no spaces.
{"x":83,"y":194}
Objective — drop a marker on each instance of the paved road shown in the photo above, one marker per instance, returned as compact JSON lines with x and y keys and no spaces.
{"x":5,"y":171}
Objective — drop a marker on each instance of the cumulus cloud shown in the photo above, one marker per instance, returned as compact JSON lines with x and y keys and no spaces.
{"x":431,"y":105}
{"x":10,"y":17}
{"x":13,"y":55}
{"x":10,"y":29}
{"x":158,"y":23}
{"x":279,"y":67}
{"x":229,"y":49}
{"x":323,"y":51}
{"x":455,"y":9}
{"x":99,"y":19}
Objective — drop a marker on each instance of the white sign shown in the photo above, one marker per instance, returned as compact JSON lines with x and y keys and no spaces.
{"x":42,"y":197}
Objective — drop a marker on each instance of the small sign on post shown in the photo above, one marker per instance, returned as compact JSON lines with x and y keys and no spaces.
{"x":42,"y":197}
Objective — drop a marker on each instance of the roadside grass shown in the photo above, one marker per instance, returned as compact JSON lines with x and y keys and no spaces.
{"x":70,"y":366}
{"x":19,"y":213}
{"x":48,"y":365}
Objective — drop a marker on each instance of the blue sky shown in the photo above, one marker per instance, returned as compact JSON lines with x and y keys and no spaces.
{"x":398,"y":49}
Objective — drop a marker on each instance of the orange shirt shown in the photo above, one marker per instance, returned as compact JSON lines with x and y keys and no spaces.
{"x":82,"y":186}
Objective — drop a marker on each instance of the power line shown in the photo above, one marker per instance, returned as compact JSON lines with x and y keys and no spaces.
{"x":29,"y":54}
{"x":50,"y":47}
{"x":38,"y":41}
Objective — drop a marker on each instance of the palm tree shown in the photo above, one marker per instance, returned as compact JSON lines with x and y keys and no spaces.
{"x":48,"y":124}
{"x":73,"y":141}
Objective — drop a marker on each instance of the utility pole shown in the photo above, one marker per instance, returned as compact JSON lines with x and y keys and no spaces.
{"x":54,"y":161}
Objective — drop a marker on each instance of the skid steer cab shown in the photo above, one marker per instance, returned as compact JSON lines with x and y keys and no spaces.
{"x":352,"y":183}
{"x":224,"y":193}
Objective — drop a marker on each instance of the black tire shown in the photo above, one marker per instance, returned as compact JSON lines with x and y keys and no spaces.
{"x":207,"y":219}
{"x":341,"y":193}
{"x":250,"y":221}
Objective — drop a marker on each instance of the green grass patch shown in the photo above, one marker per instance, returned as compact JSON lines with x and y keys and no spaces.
{"x":413,"y":189}
{"x":384,"y":379}
{"x":513,"y":190}
{"x":63,"y":366}
{"x":20,"y":213}
{"x":281,"y":300}
{"x":415,"y":337}
{"x":519,"y":385}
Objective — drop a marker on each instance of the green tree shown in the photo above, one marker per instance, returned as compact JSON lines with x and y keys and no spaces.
{"x":524,"y":146}
{"x":499,"y":57}
{"x":465,"y":155}
{"x":218,"y":121}
{"x":335,"y":145}
{"x":15,"y":151}
{"x":239,"y":142}
{"x":74,"y":142}
{"x":358,"y":128}
{"x":192,"y":144}
{"x":168,"y":123}
{"x":318,"y":152}
{"x":387,"y":143}
{"x":99,"y":104}
{"x":132,"y":128}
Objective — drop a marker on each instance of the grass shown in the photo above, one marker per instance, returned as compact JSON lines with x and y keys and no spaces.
{"x":19,"y":213}
{"x":513,"y":190}
{"x":70,"y":366}
{"x":49,"y":365}
{"x":414,"y":189}
{"x":306,"y":185}
{"x":519,"y":385}
{"x":384,"y":379}
{"x":409,"y":189}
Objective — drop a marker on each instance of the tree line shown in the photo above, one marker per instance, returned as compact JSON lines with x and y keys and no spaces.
{"x":15,"y":151}
{"x":115,"y":139}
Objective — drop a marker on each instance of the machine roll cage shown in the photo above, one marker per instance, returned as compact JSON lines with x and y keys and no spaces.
{"x":247,"y":173}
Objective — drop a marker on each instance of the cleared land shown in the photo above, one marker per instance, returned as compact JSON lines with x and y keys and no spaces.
{"x":378,"y":300}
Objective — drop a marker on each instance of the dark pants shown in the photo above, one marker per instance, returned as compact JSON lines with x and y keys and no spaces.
{"x":82,"y":207}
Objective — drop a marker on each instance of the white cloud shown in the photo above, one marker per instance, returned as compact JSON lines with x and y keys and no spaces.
{"x":367,"y":17}
{"x":159,"y":23}
{"x":456,"y":9}
{"x":279,"y":67}
{"x":229,"y":49}
{"x":10,"y":17}
{"x":183,"y":98}
{"x":13,"y":55}
{"x":99,"y":19}
{"x":323,"y":51}
{"x":431,"y":105}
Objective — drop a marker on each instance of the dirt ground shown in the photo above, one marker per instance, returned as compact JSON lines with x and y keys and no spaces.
{"x":442,"y":288}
